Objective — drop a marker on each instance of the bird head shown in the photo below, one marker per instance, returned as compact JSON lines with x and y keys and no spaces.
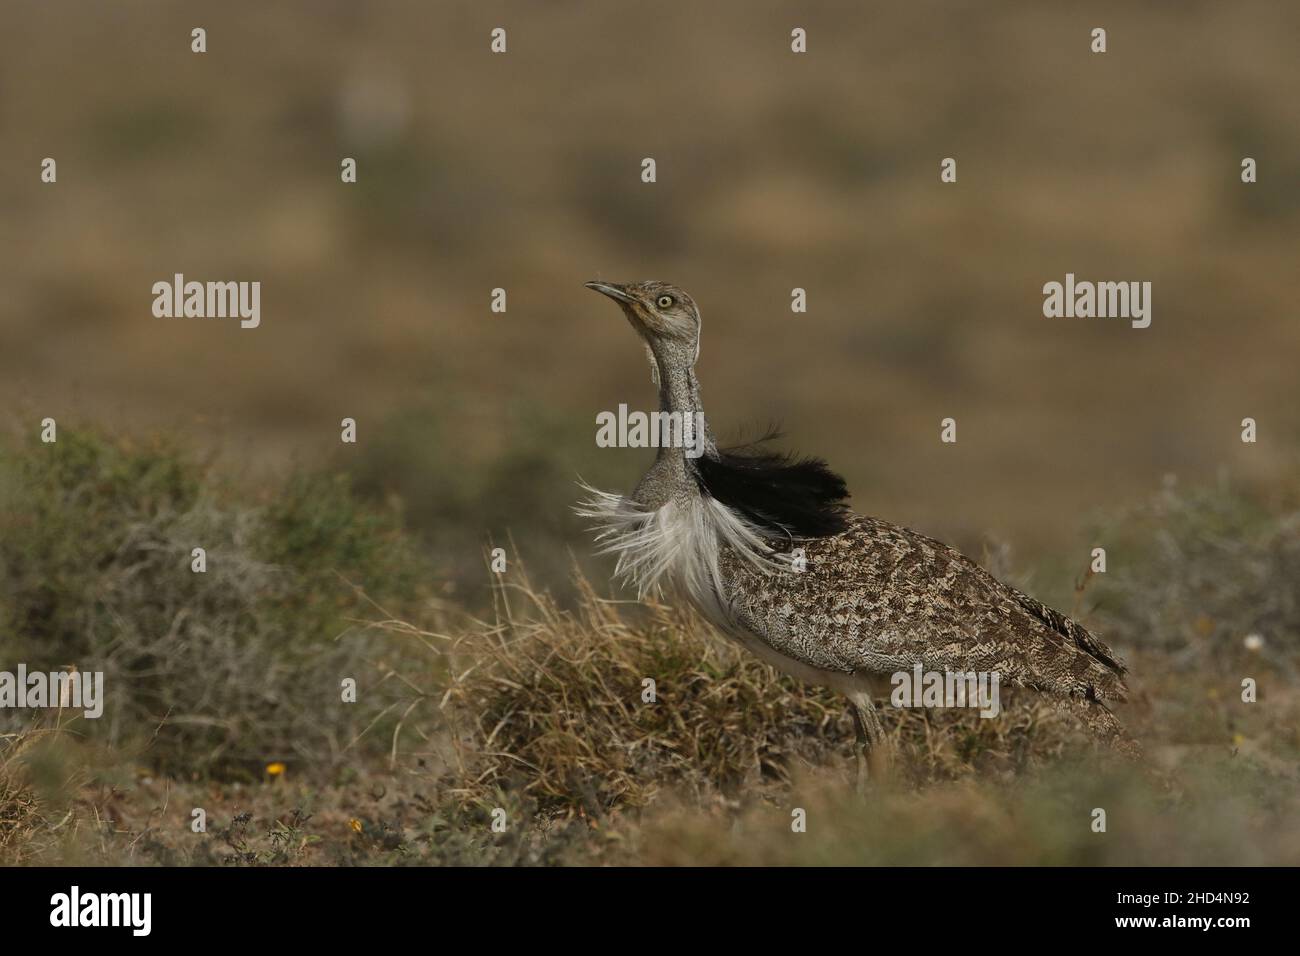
{"x":662,"y":314}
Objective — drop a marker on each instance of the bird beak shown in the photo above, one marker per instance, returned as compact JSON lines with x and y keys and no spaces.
{"x":615,"y":292}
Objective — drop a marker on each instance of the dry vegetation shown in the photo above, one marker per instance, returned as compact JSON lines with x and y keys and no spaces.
{"x":536,"y":706}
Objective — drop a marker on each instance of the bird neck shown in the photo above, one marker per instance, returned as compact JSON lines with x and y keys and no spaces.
{"x":679,"y":391}
{"x":673,"y":475}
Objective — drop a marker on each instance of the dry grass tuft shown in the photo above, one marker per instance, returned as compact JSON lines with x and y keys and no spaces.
{"x":19,"y":814}
{"x":551,"y":704}
{"x":555,"y":703}
{"x":23,"y":821}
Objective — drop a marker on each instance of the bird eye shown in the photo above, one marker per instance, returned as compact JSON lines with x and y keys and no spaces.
{"x":665,"y":301}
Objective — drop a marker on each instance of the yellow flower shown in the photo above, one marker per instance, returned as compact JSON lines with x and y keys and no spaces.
{"x":355,"y":825}
{"x":1238,"y":740}
{"x":275,"y":769}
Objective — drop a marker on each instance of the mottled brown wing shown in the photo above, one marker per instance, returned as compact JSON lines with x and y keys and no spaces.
{"x":880,"y":598}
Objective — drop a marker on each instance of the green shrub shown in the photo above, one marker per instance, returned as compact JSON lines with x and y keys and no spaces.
{"x":230,"y":668}
{"x":1196,"y":573}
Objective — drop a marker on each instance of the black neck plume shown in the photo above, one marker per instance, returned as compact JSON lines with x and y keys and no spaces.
{"x":785,"y":496}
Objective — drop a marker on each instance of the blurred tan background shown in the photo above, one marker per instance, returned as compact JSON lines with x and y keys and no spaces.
{"x":775,"y":170}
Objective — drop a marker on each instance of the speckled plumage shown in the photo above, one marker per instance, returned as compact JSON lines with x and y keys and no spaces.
{"x":872,"y":598}
{"x":878,"y":599}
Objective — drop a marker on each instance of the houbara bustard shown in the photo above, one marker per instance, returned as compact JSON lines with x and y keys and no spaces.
{"x":865,"y":599}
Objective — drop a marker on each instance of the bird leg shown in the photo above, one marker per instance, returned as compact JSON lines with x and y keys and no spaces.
{"x":872,"y":747}
{"x":880,"y":753}
{"x":860,"y":749}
